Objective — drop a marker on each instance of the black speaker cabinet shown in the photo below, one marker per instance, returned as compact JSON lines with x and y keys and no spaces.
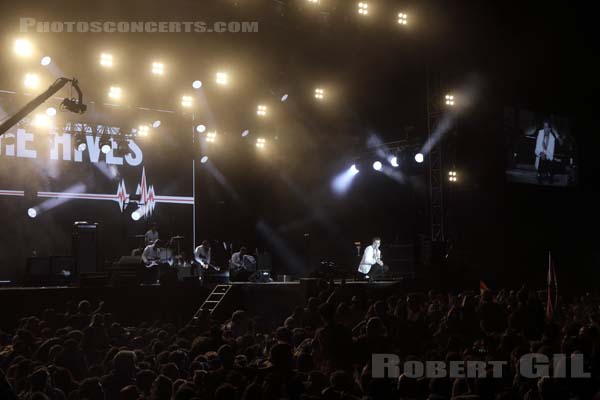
{"x":85,"y":247}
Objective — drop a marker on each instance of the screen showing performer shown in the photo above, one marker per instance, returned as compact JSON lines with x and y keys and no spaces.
{"x":541,"y":149}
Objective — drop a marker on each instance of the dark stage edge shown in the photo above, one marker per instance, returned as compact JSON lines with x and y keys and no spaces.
{"x":177,"y":304}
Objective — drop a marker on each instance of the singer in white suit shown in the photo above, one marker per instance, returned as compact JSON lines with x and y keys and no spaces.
{"x":544,"y":153}
{"x":371,"y":256}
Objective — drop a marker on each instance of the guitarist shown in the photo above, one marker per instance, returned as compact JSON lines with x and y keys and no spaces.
{"x":151,"y":259}
{"x":202,"y":257}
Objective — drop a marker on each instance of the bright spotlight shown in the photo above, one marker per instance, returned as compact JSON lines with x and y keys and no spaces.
{"x":363,"y":8}
{"x":41,"y":121}
{"x":114,"y":92}
{"x":419,"y":157}
{"x":284,"y":97}
{"x":204,"y":159}
{"x":319,"y":94}
{"x":32,"y":212}
{"x":31,"y":81}
{"x":222,"y":78}
{"x":143,"y":130}
{"x":156,"y":123}
{"x":136,"y":215}
{"x":51,"y":111}
{"x":23,"y":47}
{"x":342,"y":182}
{"x":452,"y":176}
{"x":245,"y":133}
{"x":45,"y":61}
{"x":197,"y":84}
{"x":200,"y":128}
{"x":158,"y":68}
{"x":353,"y":169}
{"x":377,"y":165}
{"x":105,"y":144}
{"x":313,"y":1}
{"x":80,"y":141}
{"x":186,"y":101}
{"x":211,"y":137}
{"x":402,"y":19}
{"x":260,"y":143}
{"x":106,"y":60}
{"x":449,"y":100}
{"x":261,"y":110}
{"x":394,"y":161}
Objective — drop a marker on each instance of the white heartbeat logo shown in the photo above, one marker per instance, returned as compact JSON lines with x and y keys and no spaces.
{"x":147,"y":197}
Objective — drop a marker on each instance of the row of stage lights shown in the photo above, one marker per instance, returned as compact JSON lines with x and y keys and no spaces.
{"x":393,"y":161}
{"x":363,"y":9}
{"x":24,"y":47}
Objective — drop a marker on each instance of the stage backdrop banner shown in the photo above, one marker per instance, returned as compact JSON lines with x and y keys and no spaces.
{"x":46,"y":185}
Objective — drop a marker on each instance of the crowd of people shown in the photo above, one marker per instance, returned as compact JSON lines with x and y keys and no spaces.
{"x":323,"y":350}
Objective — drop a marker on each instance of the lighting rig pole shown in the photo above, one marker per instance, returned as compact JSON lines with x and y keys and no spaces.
{"x":435,"y":163}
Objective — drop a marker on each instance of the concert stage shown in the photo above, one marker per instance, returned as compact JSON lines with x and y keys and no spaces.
{"x":178,"y":303}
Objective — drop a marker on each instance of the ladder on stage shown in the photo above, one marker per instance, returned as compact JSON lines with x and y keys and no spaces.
{"x":214,"y":299}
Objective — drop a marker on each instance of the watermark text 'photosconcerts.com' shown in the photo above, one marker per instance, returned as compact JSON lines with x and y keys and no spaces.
{"x":32,"y":25}
{"x":533,"y":365}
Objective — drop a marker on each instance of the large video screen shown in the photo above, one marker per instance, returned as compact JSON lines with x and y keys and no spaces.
{"x":48,"y":182}
{"x":541,"y":148}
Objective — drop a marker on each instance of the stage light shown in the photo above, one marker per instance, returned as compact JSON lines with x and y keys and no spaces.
{"x":313,"y":1}
{"x":377,"y":165}
{"x":158,"y":68}
{"x":31,"y":81}
{"x":197,"y":84}
{"x":114,"y":92}
{"x":45,"y":61}
{"x":319,"y":93}
{"x":32,"y":212}
{"x":80,"y":141}
{"x":363,"y":8}
{"x":186,"y":101}
{"x":156,"y":123}
{"x":394,"y":161}
{"x":204,"y":159}
{"x":353,"y":169}
{"x":105,"y":144}
{"x":23,"y":47}
{"x":222,"y":78}
{"x":402,"y":18}
{"x":260,"y":143}
{"x":449,"y":100}
{"x":245,"y":133}
{"x":261,"y":110}
{"x":41,"y":121}
{"x":200,"y":128}
{"x":51,"y":111}
{"x":136,"y":215}
{"x":143,"y":130}
{"x":419,"y":157}
{"x":452,"y":176}
{"x":284,"y":97}
{"x":211,"y":137}
{"x":106,"y":60}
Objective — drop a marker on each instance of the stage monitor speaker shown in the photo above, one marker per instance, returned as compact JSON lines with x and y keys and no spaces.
{"x":85,"y":247}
